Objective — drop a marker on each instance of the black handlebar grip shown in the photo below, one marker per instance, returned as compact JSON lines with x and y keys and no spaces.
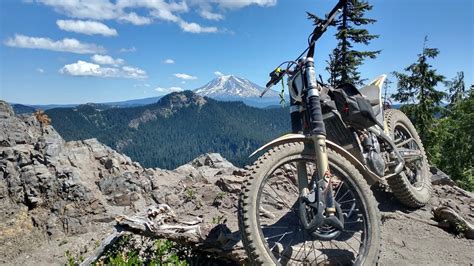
{"x":275,"y":77}
{"x":316,"y":116}
{"x":270,"y":83}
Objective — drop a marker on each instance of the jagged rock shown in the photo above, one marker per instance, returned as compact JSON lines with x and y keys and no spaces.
{"x":188,"y":170}
{"x":110,"y":163}
{"x":440,"y":178}
{"x":53,"y":143}
{"x":230,"y":183}
{"x":213,"y":160}
{"x":98,"y":149}
{"x":6,"y":110}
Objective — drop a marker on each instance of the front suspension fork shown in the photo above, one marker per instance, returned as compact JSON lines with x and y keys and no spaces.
{"x":319,"y":196}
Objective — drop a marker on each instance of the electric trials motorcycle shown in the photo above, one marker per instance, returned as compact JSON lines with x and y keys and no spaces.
{"x":306,"y":199}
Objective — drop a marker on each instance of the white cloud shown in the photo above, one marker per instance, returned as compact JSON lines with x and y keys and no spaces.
{"x":165,"y":15}
{"x":128,"y":50}
{"x":184,"y":76}
{"x":88,"y":27}
{"x":196,"y":28}
{"x":235,"y":4}
{"x":172,"y":6}
{"x":84,"y":69}
{"x":86,"y":9}
{"x":135,"y":19}
{"x":162,"y":90}
{"x":207,"y":14}
{"x":133,"y":72}
{"x":107,"y":60}
{"x":218,"y":73}
{"x":40,"y":70}
{"x":141,"y":12}
{"x":169,"y":61}
{"x":64,"y":45}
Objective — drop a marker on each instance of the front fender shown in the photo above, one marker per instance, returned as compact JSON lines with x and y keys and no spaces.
{"x":283,"y":139}
{"x":371,"y":177}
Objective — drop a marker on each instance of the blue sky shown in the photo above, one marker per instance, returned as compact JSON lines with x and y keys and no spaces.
{"x":129,"y":49}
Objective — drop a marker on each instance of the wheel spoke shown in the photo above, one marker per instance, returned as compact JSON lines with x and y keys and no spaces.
{"x":403,"y":143}
{"x":409,"y":142}
{"x":283,"y":252}
{"x":342,"y":202}
{"x":342,"y":196}
{"x":283,"y":232}
{"x":280,"y":198}
{"x":338,"y":189}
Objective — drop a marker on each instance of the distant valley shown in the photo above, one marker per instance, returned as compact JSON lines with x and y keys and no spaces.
{"x":22,"y":108}
{"x":175,"y":129}
{"x":223,"y":88}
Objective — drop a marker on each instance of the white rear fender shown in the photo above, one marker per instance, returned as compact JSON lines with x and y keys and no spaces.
{"x":373,"y":91}
{"x":369,"y":175}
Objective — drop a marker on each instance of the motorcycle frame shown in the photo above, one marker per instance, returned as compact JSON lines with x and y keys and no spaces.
{"x":307,"y":117}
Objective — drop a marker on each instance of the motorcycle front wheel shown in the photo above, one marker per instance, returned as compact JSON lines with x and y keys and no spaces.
{"x":270,"y":226}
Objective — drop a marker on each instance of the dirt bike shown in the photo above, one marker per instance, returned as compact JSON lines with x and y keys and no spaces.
{"x":307,"y":199}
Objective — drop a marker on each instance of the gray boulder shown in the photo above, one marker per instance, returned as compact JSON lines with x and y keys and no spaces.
{"x":6,"y":110}
{"x":440,"y":178}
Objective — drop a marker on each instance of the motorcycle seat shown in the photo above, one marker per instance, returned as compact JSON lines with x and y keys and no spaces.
{"x":373,"y":93}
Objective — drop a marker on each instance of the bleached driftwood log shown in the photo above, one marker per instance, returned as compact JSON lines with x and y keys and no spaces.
{"x":162,"y":223}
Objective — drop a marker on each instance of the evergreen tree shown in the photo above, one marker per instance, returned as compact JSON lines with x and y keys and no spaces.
{"x":418,"y":87}
{"x":457,"y":89}
{"x":345,"y":58}
{"x":455,"y":140}
{"x":168,"y":139}
{"x":387,"y":103}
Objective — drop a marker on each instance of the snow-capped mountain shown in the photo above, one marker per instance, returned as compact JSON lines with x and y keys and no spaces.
{"x":233,"y":88}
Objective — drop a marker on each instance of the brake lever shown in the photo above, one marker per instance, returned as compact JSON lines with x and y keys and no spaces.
{"x":265,"y":91}
{"x":276,"y":75}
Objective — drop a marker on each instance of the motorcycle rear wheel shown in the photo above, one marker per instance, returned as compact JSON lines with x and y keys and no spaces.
{"x":412,"y":186}
{"x":271,"y":231}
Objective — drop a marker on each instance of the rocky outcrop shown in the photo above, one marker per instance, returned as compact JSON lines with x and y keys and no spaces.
{"x":440,"y":178}
{"x":167,"y":106}
{"x":57,"y":195}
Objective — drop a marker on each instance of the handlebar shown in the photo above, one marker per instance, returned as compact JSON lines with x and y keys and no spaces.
{"x":321,"y":27}
{"x":276,"y":75}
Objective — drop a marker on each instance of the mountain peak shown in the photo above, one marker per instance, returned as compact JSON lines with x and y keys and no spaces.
{"x":167,"y":106}
{"x":232,"y":87}
{"x":182,"y":98}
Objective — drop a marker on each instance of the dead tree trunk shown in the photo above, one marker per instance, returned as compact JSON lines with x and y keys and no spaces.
{"x":162,"y":223}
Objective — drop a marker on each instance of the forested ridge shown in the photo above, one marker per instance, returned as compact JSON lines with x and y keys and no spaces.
{"x":171,"y":134}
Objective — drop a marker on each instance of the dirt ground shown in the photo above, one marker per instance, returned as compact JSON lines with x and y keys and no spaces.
{"x":411,"y":241}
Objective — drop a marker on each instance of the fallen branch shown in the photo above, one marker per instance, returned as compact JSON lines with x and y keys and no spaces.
{"x":452,"y":220}
{"x":399,"y":214}
{"x":106,"y":243}
{"x":161,"y":223}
